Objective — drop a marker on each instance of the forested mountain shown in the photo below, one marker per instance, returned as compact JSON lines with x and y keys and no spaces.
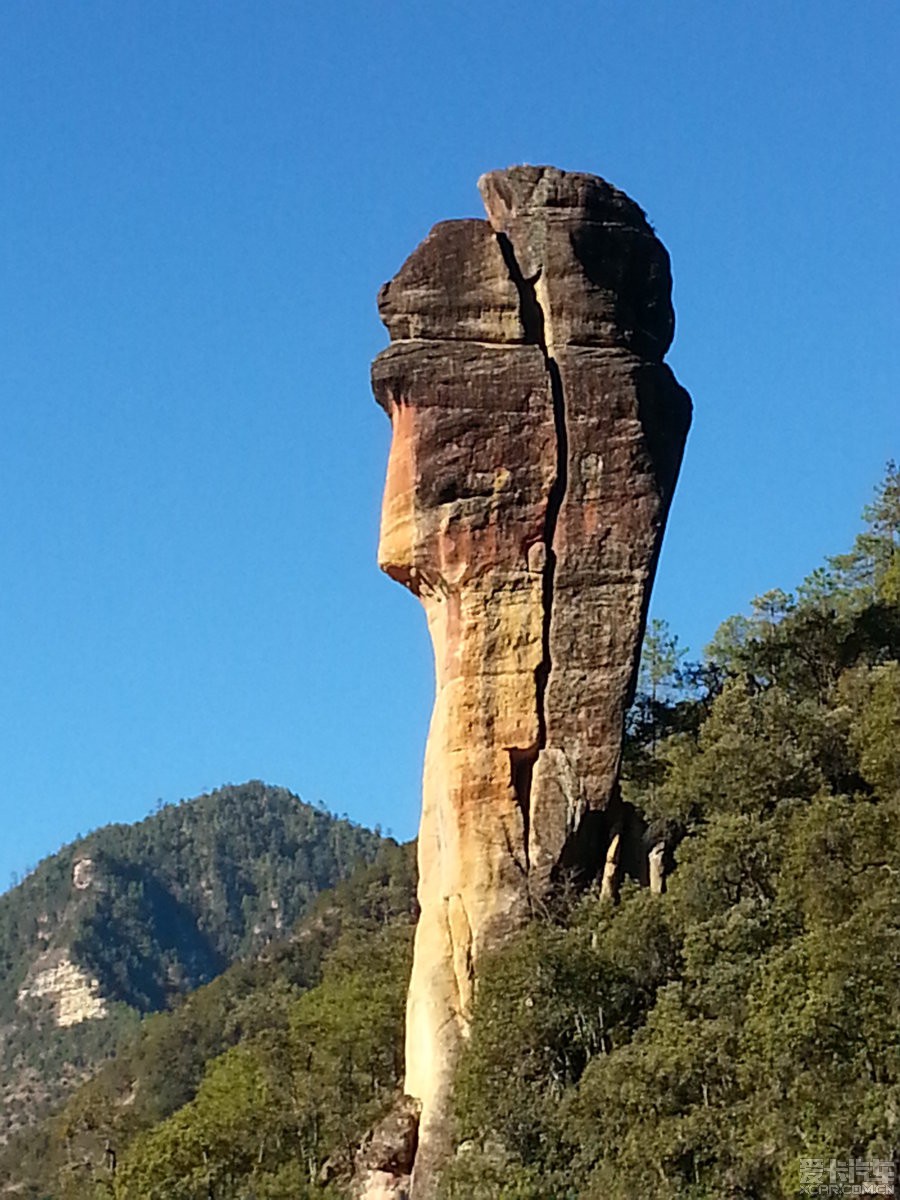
{"x":735,"y":1036}
{"x":278,"y":1065}
{"x":128,"y":919}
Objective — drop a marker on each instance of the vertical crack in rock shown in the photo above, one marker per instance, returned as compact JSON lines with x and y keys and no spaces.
{"x":524,"y":761}
{"x":530,"y":311}
{"x":459,"y":929}
{"x":521,"y":773}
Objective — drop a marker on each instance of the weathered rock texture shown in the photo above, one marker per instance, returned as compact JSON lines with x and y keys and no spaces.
{"x":385,"y":1161}
{"x":537,"y":437}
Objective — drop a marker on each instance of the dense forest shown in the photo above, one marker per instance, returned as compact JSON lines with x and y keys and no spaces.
{"x":135,"y":916}
{"x":736,"y":1036}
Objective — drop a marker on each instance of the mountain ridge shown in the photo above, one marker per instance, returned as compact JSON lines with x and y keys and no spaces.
{"x":129,"y":918}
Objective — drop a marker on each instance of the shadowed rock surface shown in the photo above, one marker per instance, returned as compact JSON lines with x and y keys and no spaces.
{"x":537,"y":437}
{"x":384,"y":1163}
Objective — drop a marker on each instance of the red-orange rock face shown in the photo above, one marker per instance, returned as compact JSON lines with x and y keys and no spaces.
{"x":537,"y":438}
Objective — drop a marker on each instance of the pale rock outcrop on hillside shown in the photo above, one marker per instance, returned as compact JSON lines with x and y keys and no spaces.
{"x":73,"y":993}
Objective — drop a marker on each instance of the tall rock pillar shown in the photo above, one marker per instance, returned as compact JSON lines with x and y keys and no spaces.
{"x":537,"y":437}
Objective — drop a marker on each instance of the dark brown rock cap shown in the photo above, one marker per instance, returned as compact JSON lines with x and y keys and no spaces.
{"x":603,"y":276}
{"x":583,"y":249}
{"x":516,"y":191}
{"x":454,"y":287}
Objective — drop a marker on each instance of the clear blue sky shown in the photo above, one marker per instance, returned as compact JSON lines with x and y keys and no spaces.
{"x":198,"y":203}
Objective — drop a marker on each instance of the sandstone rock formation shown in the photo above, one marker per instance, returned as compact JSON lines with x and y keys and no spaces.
{"x":537,"y":436}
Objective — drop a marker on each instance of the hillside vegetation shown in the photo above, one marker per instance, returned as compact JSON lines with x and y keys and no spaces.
{"x":125,"y":921}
